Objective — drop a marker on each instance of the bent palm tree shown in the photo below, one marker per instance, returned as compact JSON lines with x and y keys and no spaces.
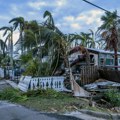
{"x":49,"y":21}
{"x":19,"y":22}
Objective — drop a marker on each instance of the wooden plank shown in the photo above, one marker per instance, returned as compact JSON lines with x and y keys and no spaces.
{"x":88,"y":74}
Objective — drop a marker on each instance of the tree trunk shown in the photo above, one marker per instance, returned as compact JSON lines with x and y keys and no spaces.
{"x":116,"y":58}
{"x":4,"y":66}
{"x":21,"y":41}
{"x":115,"y":46}
{"x":11,"y":55}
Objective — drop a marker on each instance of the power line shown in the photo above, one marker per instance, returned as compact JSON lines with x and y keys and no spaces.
{"x":97,"y":6}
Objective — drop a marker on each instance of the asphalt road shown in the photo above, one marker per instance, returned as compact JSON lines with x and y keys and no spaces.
{"x":10,"y":111}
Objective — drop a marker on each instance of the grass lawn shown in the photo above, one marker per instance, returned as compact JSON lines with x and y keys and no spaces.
{"x":52,"y":101}
{"x":55,"y":104}
{"x":44,"y":100}
{"x":47,"y":100}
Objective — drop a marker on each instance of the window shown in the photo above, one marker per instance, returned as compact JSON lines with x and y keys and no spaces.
{"x":119,"y":61}
{"x":109,"y":61}
{"x":102,"y":61}
{"x":92,"y":59}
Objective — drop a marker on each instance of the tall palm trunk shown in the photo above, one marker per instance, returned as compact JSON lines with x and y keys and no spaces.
{"x":21,"y":40}
{"x":116,"y":57}
{"x":4,"y":66}
{"x":11,"y":54}
{"x":115,"y":39}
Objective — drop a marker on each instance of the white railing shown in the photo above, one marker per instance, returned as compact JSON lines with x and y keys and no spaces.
{"x":56,"y":83}
{"x":28,"y":83}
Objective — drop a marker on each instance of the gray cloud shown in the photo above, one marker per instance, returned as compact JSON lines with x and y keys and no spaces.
{"x":69,"y":16}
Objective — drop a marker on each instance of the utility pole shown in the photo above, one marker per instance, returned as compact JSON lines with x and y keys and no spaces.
{"x":98,"y":6}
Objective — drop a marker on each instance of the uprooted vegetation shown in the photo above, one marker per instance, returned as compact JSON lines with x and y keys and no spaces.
{"x":52,"y":101}
{"x":44,"y":100}
{"x":12,"y":95}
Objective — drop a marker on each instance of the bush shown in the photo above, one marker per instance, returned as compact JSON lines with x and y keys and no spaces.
{"x":35,"y":68}
{"x":12,"y":95}
{"x":26,"y":57}
{"x":32,"y":68}
{"x":49,"y":93}
{"x":113,"y":96}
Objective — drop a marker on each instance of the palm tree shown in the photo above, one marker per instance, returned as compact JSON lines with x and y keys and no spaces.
{"x":9,"y":38}
{"x":72,"y":39}
{"x":31,"y":35}
{"x":109,"y":30}
{"x":19,"y":22}
{"x":55,"y":40}
{"x":29,"y":40}
{"x":93,"y":38}
{"x":49,"y":21}
{"x":55,"y":45}
{"x":84,"y":39}
{"x":3,"y":47}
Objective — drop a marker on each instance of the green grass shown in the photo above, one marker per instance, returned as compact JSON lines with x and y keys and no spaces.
{"x":12,"y":95}
{"x":47,"y":100}
{"x":54,"y":104}
{"x":113,"y":96}
{"x":44,"y":100}
{"x":52,"y":101}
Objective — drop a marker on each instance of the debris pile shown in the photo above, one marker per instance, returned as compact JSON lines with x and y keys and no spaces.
{"x":102,"y":85}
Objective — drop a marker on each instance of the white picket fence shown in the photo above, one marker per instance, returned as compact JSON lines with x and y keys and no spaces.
{"x":29,"y":83}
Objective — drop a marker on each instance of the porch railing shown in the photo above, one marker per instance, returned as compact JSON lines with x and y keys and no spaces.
{"x":56,"y":83}
{"x":28,"y":83}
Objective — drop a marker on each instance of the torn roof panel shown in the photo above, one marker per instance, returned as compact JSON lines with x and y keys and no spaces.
{"x":101,"y":51}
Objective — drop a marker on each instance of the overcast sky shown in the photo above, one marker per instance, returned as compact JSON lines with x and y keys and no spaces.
{"x":69,"y":15}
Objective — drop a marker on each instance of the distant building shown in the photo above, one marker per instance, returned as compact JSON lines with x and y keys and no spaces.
{"x":97,"y":57}
{"x":103,"y":58}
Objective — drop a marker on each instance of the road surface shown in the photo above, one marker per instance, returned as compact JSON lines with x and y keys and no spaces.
{"x":10,"y":111}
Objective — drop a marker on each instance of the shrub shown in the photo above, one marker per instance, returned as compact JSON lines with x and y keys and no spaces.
{"x":49,"y":93}
{"x":32,"y":68}
{"x":12,"y":95}
{"x":26,"y":57}
{"x":113,"y":96}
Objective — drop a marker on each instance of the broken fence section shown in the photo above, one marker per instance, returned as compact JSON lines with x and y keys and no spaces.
{"x":88,"y":74}
{"x":28,"y":83}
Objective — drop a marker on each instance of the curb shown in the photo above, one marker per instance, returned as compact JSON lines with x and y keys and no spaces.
{"x":12,"y":84}
{"x":101,"y":115}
